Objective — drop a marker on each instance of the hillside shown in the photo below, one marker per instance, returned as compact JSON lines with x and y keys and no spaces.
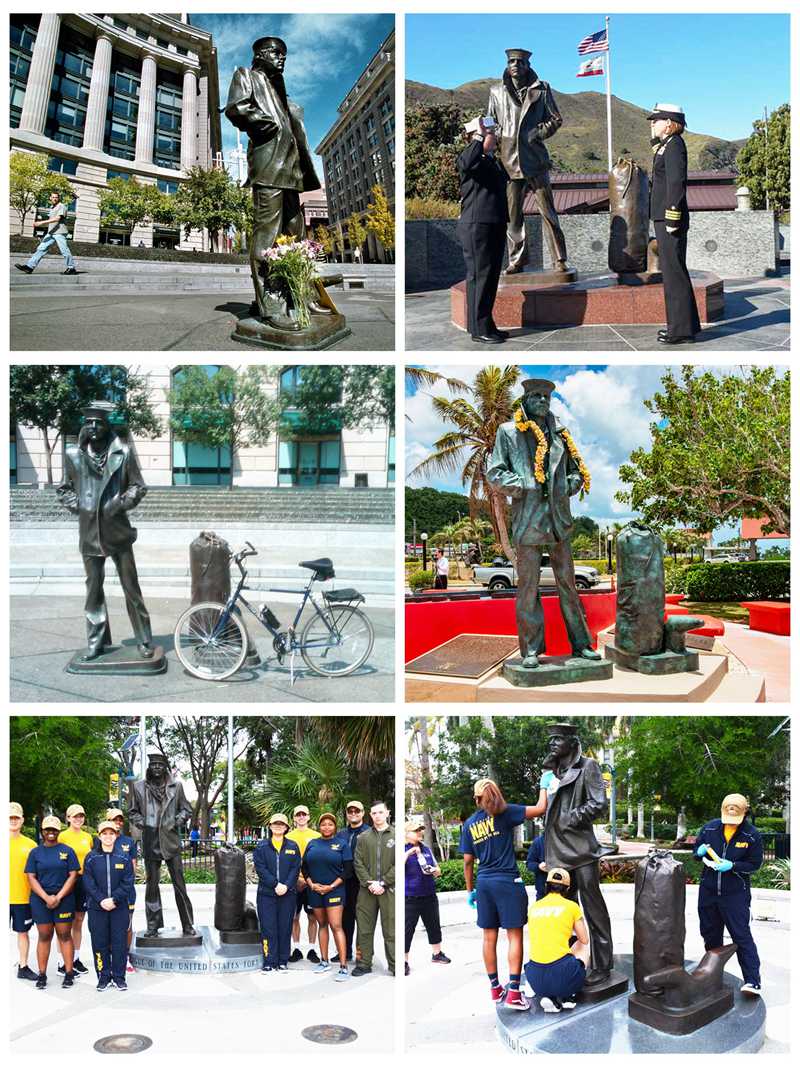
{"x":580,"y":144}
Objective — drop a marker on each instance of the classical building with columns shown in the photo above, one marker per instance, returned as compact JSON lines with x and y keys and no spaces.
{"x":347,"y":457}
{"x":109,"y":96}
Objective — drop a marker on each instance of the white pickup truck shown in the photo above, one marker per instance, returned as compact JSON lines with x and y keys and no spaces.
{"x":500,"y":574}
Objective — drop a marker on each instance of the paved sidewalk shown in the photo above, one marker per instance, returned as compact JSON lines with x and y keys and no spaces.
{"x":245,"y":1014}
{"x":46,"y":631}
{"x":448,"y":1009}
{"x":756,"y":319}
{"x":169,"y":322}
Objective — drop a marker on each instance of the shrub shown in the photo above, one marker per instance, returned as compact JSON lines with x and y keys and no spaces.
{"x":779,"y":874}
{"x":600,"y":565}
{"x":770,"y":824}
{"x":421,"y":580}
{"x":89,"y":250}
{"x":761,"y":580}
{"x":418,"y":207}
{"x":675,"y":575}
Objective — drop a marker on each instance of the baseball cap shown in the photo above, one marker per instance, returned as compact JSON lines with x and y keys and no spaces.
{"x":414,"y":824}
{"x":481,"y":784}
{"x":278,"y":817}
{"x":51,"y":822}
{"x":115,"y":813}
{"x":15,"y":810}
{"x":301,"y":809}
{"x":75,"y":809}
{"x":354,"y":804}
{"x":107,"y":824}
{"x":328,"y":815}
{"x":558,"y":875}
{"x":738,"y":802}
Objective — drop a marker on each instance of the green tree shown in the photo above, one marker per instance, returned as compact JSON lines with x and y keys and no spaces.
{"x":719,"y":451}
{"x":356,"y":232}
{"x":233,"y":408}
{"x":694,"y":761}
{"x":324,"y":237}
{"x":51,"y":398}
{"x":129,"y":202}
{"x":434,"y":140}
{"x":211,"y":200}
{"x":584,"y":546}
{"x":467,"y":446}
{"x":30,"y":181}
{"x":380,"y":220}
{"x":328,"y":398}
{"x":764,"y":162}
{"x":432,"y":509}
{"x":58,"y":760}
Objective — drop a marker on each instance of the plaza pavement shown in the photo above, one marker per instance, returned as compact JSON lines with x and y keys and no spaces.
{"x":170,"y":322}
{"x":47,"y":630}
{"x":448,"y":1010}
{"x":756,"y":319}
{"x":244,"y":1014}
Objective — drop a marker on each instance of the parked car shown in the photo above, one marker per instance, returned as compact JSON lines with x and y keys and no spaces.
{"x":501,"y":574}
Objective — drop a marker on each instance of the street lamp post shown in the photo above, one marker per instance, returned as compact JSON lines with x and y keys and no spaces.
{"x":424,"y":538}
{"x":231,"y":835}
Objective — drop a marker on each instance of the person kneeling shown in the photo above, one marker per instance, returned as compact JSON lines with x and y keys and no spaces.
{"x":556,"y":972}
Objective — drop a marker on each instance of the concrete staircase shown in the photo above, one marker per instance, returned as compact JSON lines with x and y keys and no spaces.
{"x":313,"y":505}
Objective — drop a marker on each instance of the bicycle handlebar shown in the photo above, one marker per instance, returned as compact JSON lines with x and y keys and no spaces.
{"x":243,"y":554}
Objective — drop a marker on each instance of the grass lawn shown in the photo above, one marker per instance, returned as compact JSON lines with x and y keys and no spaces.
{"x":728,"y":611}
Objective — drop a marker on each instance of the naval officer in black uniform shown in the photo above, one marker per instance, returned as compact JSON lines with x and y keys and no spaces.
{"x":670,"y":217}
{"x":482,"y":227}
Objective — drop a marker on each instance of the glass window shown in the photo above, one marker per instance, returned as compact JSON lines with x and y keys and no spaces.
{"x":61,"y":165}
{"x":167,"y":186}
{"x":390,"y":462}
{"x":194,"y":464}
{"x":287,"y":463}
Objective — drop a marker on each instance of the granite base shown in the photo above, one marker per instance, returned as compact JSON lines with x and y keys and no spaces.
{"x":609,"y":1028}
{"x":600,"y":300}
{"x":535,"y":279}
{"x":209,"y":956}
{"x":118,"y":659}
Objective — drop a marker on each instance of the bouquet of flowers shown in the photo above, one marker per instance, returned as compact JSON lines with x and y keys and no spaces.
{"x":291,"y":265}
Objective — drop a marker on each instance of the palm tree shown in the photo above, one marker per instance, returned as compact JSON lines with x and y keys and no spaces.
{"x":468,"y":447}
{"x":316,"y":776}
{"x":420,"y":376}
{"x":366,"y":744}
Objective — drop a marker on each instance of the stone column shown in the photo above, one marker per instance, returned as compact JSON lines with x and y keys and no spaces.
{"x":40,"y":76}
{"x":95,"y":128}
{"x":146,"y":124}
{"x":189,"y":120}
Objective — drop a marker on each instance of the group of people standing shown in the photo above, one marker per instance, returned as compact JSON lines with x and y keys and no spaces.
{"x":342,"y":879}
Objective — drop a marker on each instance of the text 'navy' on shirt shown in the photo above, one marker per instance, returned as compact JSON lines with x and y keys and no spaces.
{"x":490,"y":840}
{"x":52,"y":865}
{"x":325,"y":859}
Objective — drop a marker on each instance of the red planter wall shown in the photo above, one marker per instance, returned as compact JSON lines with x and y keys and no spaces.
{"x":430,"y":624}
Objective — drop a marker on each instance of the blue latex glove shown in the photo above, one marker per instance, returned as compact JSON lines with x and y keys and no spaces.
{"x":472,"y":897}
{"x":546,"y":780}
{"x":723,"y":866}
{"x":702,"y":850}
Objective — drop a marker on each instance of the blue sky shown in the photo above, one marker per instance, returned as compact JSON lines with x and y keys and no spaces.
{"x":601,"y":405}
{"x":722,"y":69}
{"x":326,"y":54}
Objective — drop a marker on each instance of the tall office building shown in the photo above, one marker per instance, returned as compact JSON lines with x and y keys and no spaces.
{"x":358,"y":152}
{"x":109,"y":96}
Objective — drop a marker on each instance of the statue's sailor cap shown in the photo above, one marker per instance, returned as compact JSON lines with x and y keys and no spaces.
{"x":538,"y":385}
{"x":262,"y":42}
{"x":518,"y":53}
{"x":98,"y":409}
{"x":562,"y":729}
{"x":668,"y":111}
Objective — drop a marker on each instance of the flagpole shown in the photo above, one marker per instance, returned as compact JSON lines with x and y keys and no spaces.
{"x":608,"y":92}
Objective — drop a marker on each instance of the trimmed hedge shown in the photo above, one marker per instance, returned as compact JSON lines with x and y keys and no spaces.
{"x":421,"y":580}
{"x":89,"y":250}
{"x":771,"y":824}
{"x":760,"y":580}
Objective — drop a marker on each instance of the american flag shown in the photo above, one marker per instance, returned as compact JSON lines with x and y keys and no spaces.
{"x":590,"y":67}
{"x":595,"y":42}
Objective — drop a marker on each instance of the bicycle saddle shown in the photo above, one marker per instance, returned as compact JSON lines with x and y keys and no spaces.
{"x":323,"y":568}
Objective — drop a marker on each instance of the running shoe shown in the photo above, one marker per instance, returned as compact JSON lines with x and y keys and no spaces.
{"x":26,"y":973}
{"x":69,"y":980}
{"x":753,"y":988}
{"x":550,"y":1005}
{"x":78,"y":967}
{"x":322,"y":967}
{"x":296,"y":956}
{"x":439,"y":957}
{"x":342,"y":975}
{"x":312,"y":956}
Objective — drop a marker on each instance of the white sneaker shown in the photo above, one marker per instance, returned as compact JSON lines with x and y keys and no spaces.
{"x":568,"y":1004}
{"x":548,"y":1005}
{"x":753,"y":988}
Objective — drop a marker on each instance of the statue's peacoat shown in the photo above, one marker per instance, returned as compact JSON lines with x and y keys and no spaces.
{"x":569,"y":839}
{"x":176,"y":812}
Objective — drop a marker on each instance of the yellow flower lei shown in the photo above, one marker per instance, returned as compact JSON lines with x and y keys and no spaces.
{"x":523,"y":424}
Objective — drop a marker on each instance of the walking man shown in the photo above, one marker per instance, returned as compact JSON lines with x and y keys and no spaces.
{"x":374,"y":867}
{"x":57,"y":234}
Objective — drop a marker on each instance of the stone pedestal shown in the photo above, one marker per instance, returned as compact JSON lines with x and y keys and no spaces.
{"x":654,"y":1012}
{"x":169,"y":938}
{"x":659,"y":663}
{"x":556,"y":670}
{"x":119,"y":659}
{"x":593,"y":301}
{"x":209,"y":955}
{"x":537,"y":279}
{"x":240,"y":937}
{"x":613,"y":986}
{"x":324,"y":331}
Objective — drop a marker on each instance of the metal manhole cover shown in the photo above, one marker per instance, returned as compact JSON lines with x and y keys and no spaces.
{"x":329,"y":1034}
{"x":122,"y":1043}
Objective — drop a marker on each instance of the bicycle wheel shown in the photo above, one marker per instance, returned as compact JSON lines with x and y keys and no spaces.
{"x":342,"y":648}
{"x":204,"y":652}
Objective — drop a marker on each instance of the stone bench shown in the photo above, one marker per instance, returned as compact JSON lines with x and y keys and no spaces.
{"x":769,"y":616}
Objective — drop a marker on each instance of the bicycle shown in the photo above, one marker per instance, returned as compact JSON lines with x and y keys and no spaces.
{"x":211,"y":639}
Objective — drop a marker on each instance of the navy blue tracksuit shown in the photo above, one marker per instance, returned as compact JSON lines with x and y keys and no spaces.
{"x":108,"y":874}
{"x":724,"y":899}
{"x":275,"y":914}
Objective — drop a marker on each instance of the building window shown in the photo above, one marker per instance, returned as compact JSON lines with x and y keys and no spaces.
{"x":62,"y":166}
{"x":168,"y":187}
{"x":198,"y":464}
{"x":13,"y":460}
{"x":390,"y":461}
{"x":123,"y":109}
{"x":315,"y":462}
{"x":167,"y":136}
{"x":388,"y":127}
{"x":385,"y":107}
{"x":23,"y":36}
{"x":69,"y":88}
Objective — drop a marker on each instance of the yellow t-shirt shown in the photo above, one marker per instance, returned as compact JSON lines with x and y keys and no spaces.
{"x":302,"y":837}
{"x":20,"y":891}
{"x":79,"y":841}
{"x":729,"y":831}
{"x":277,"y":843}
{"x":550,"y":923}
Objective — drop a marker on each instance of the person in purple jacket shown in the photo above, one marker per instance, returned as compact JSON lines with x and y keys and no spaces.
{"x":421,"y":900}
